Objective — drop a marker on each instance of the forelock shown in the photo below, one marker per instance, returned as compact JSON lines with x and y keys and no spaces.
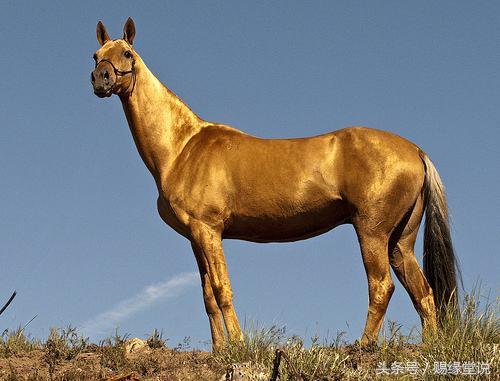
{"x":114,"y":44}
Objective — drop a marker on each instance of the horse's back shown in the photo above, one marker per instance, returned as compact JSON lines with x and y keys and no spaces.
{"x":339,"y":161}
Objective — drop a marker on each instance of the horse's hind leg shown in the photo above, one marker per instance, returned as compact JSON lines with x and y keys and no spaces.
{"x":407,"y":269}
{"x":380,"y":285}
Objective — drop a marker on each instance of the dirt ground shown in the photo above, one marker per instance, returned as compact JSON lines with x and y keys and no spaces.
{"x":158,"y":364}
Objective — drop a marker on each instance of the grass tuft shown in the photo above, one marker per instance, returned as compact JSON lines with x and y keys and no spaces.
{"x":113,"y":353}
{"x":15,"y":342}
{"x":156,"y":340}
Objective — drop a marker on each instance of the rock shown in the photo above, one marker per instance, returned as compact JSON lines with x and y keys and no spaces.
{"x":136,"y":346}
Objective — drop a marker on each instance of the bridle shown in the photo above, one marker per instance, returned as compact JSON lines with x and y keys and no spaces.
{"x":121,"y":73}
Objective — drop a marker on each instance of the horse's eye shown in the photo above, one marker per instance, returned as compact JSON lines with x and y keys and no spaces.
{"x":128,"y":54}
{"x":95,"y":57}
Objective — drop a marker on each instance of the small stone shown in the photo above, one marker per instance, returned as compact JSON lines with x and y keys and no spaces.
{"x":245,"y":372}
{"x":136,"y":346}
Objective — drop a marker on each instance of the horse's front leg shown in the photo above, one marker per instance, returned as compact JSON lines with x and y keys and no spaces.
{"x":207,"y":244}
{"x":211,"y":306}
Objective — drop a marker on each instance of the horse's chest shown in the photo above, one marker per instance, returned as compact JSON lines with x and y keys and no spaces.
{"x":171,"y":217}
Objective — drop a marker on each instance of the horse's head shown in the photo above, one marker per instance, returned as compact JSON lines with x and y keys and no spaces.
{"x":114,"y":71}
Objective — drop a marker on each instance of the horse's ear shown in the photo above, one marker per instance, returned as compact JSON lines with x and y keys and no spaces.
{"x":129,"y":31}
{"x":102,"y":35}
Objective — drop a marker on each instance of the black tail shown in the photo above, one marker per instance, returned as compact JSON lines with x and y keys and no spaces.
{"x":440,"y":264}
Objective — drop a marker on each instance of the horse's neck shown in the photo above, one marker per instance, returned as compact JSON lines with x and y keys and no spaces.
{"x":160,"y":122}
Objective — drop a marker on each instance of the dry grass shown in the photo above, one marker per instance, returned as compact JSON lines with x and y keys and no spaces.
{"x":473,"y":337}
{"x":66,"y":356}
{"x":470,"y":336}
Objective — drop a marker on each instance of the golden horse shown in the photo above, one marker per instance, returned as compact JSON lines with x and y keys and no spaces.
{"x":217,"y":182}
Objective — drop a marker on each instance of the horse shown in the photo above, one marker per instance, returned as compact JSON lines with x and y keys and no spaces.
{"x":216,"y":182}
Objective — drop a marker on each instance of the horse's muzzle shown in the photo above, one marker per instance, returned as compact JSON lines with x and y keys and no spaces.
{"x":103,"y":81}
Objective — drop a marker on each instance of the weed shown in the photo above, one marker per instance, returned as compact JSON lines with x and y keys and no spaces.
{"x":184,"y":346}
{"x":16,"y":342}
{"x":155,"y":340}
{"x":62,"y":344}
{"x":112,"y":351}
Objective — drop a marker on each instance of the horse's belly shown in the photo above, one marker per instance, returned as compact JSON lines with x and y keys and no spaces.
{"x":284,"y":227}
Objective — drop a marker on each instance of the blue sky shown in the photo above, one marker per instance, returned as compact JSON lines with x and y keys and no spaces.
{"x":80,"y":238}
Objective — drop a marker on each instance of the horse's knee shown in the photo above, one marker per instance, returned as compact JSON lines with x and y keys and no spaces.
{"x":224,"y":296}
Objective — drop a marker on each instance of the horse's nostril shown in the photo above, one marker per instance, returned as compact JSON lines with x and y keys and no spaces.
{"x":106,"y":75}
{"x":92,"y":78}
